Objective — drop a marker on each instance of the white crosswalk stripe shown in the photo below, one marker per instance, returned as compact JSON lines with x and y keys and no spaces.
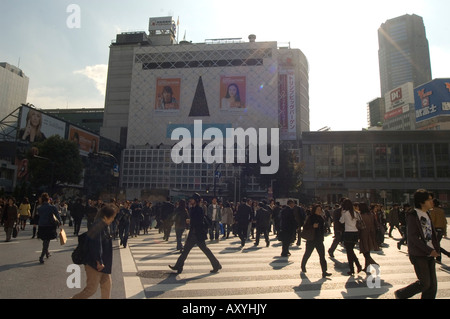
{"x":261,"y":273}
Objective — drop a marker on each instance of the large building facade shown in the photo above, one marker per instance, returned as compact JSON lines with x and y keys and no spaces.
{"x":156,"y":85}
{"x":404,"y":54}
{"x":376,"y":166}
{"x":13,"y":88}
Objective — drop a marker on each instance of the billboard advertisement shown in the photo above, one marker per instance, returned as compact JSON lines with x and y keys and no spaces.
{"x":35,"y":126}
{"x":233,"y":93}
{"x":86,"y":141}
{"x":286,"y":105}
{"x":432,"y":99}
{"x":168,"y":95}
{"x":399,"y":97}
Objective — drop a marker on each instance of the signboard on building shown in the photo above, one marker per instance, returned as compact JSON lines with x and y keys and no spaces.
{"x":398,"y":100}
{"x":86,"y":141}
{"x":162,"y":23}
{"x":286,"y":105}
{"x":432,"y":99}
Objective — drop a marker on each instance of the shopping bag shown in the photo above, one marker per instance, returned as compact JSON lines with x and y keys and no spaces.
{"x":62,"y":237}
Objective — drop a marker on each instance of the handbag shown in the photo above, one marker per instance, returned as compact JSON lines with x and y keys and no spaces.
{"x":360,"y":225}
{"x":15,"y":231}
{"x":62,"y":237}
{"x":308,"y":233}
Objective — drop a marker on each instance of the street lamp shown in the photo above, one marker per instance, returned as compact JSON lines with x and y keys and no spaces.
{"x":216,"y":175}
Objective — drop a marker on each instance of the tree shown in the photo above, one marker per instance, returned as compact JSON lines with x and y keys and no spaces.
{"x":289,"y":175}
{"x":55,"y":161}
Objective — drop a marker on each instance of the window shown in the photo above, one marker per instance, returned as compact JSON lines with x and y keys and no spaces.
{"x":351,"y":160}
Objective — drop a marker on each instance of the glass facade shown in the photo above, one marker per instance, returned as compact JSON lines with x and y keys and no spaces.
{"x":380,"y":160}
{"x":155,"y":169}
{"x":365,"y":165}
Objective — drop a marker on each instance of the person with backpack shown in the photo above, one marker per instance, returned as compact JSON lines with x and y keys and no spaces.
{"x":197,"y":236}
{"x":98,"y":255}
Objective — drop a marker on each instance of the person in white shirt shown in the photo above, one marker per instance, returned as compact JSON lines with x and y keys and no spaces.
{"x":214,"y":213}
{"x":351,"y":235}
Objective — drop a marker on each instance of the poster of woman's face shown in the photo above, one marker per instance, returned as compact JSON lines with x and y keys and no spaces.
{"x":167,"y":94}
{"x":36,"y":126}
{"x":232,"y":92}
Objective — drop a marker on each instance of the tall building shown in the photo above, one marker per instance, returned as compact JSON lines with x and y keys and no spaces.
{"x":13,"y":88}
{"x":375,"y":112}
{"x":403,"y":53}
{"x":156,"y":85}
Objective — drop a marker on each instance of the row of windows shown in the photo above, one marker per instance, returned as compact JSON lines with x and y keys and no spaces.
{"x":201,"y":64}
{"x":380,"y":161}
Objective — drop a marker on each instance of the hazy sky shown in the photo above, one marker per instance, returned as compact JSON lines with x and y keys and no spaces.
{"x":67,"y":66}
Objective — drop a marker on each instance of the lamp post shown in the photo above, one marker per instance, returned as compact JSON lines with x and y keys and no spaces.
{"x":215,"y":177}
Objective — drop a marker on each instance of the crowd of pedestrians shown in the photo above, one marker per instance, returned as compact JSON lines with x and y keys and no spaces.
{"x":355,"y":225}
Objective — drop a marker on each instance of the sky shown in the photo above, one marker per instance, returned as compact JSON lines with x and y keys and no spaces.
{"x":67,"y":63}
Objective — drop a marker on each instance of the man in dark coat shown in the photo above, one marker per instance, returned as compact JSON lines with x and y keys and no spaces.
{"x":262,"y":218}
{"x":136,"y":217}
{"x":167,"y":215}
{"x":243,"y":217}
{"x":197,"y":236}
{"x":288,"y":227}
{"x":77,"y":213}
{"x":423,"y":248}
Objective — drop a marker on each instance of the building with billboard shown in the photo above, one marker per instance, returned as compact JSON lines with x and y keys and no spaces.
{"x":432,"y":105}
{"x":375,"y":112}
{"x":27,"y":125}
{"x":156,"y":86}
{"x":13,"y":88}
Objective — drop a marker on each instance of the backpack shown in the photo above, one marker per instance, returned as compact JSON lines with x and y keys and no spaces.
{"x":80,"y":251}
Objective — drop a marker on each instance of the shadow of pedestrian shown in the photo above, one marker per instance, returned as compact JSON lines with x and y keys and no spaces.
{"x":280,"y":262}
{"x":365,"y":285}
{"x":170,"y":281}
{"x":308,"y":289}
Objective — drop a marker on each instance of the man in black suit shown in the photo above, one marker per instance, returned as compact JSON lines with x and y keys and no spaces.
{"x":242,"y":217}
{"x":167,"y":214}
{"x":197,"y":236}
{"x":288,"y":227}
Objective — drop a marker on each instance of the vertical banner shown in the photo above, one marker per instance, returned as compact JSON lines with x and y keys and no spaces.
{"x":287,"y":115}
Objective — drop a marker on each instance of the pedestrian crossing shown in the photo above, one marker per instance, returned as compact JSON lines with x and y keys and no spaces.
{"x":261,"y":273}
